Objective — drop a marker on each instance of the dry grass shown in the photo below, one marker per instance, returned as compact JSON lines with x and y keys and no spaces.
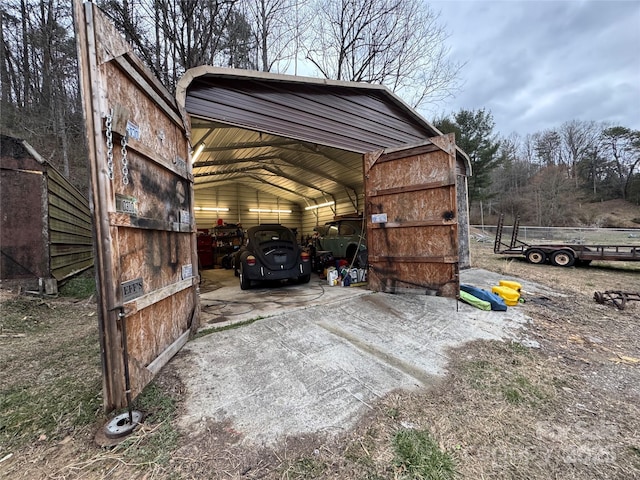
{"x":569,"y":409}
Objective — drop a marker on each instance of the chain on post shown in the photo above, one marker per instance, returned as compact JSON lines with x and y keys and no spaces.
{"x":109,"y":134}
{"x":125,"y":164}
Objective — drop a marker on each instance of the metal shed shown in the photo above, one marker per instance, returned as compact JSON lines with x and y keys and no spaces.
{"x":45,"y":231}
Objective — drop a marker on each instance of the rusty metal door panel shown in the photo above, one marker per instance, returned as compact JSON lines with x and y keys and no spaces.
{"x":142,"y":207}
{"x":412,"y":225}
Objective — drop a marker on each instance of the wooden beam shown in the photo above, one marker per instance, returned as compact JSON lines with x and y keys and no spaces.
{"x":412,"y":188}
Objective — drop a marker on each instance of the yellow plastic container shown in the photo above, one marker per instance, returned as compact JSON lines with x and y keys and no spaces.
{"x":511,"y":284}
{"x":509,"y":295}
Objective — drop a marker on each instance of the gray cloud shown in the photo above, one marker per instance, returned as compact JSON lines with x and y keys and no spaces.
{"x":536,"y":65}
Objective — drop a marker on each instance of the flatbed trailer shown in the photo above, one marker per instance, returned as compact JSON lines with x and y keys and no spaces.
{"x":562,"y":254}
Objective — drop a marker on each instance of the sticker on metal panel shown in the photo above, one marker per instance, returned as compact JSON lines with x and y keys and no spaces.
{"x":187,"y":271}
{"x":379,"y":218}
{"x":133,"y":130}
{"x":126,"y":204}
{"x":132,"y":289}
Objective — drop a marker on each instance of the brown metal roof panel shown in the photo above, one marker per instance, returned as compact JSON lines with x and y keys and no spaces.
{"x":375,"y":123}
{"x":285,"y":83}
{"x":258,"y":81}
{"x":304,"y":122}
{"x":303,"y":127}
{"x":373,"y":106}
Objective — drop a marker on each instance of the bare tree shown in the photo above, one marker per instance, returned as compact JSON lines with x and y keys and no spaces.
{"x":398,"y":43}
{"x":238,"y":44}
{"x":172,"y":36}
{"x":548,"y":148}
{"x":578,"y":140}
{"x":276,"y":31}
{"x":548,"y":197}
{"x":622,"y":146}
{"x":40,"y":97}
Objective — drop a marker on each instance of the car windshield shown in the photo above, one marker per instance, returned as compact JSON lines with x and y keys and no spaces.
{"x":347,"y":229}
{"x":263,"y":236}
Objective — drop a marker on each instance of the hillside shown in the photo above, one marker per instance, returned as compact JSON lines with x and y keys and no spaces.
{"x":612,"y":214}
{"x":609,"y":214}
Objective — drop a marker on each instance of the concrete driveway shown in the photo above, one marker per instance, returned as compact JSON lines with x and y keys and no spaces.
{"x":323,"y":354}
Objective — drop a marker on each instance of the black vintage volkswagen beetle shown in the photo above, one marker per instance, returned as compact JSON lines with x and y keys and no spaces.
{"x":271,"y":252}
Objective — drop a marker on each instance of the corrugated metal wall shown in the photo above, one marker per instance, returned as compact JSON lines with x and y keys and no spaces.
{"x":70,"y":237}
{"x":239,"y":199}
{"x":320,"y":216}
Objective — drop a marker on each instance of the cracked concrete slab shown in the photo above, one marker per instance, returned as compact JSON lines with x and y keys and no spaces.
{"x":317,"y":366}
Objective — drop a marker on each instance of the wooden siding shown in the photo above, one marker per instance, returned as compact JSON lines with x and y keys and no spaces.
{"x":143,"y":219}
{"x":416,"y":248}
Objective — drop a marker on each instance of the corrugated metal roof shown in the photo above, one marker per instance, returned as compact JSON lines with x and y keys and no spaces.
{"x":294,"y":137}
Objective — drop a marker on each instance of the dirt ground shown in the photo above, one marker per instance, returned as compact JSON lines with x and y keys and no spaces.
{"x":569,"y":409}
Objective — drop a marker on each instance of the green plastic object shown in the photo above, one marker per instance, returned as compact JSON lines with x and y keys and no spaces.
{"x":476,"y":302}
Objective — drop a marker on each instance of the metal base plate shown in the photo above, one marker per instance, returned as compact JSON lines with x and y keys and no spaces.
{"x":120,"y":425}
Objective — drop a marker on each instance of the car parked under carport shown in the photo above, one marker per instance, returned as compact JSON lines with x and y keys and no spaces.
{"x":345,"y":238}
{"x":271,"y":253}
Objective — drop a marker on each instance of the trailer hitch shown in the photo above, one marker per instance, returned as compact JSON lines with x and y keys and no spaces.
{"x":617,"y":297}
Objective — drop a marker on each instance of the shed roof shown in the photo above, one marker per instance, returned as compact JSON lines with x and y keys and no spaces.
{"x":295,"y":137}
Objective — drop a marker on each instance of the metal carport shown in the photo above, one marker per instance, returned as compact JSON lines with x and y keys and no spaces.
{"x":260,"y":136}
{"x":304,"y":140}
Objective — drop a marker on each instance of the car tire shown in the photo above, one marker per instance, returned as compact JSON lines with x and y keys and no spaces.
{"x":304,"y":279}
{"x":245,"y":283}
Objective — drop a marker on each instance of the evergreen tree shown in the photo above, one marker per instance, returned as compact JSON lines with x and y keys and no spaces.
{"x":474,"y":135}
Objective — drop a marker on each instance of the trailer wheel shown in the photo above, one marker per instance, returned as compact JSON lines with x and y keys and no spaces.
{"x":563,"y":258}
{"x":536,"y":256}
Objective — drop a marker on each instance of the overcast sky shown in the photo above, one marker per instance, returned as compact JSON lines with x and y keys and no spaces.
{"x":537,"y":64}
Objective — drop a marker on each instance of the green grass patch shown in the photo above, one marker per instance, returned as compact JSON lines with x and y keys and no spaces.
{"x":478,"y":373}
{"x":518,"y":349}
{"x":305,"y":467}
{"x":24,"y":315}
{"x":393,"y":413}
{"x":154,"y":444}
{"x":520,"y":390}
{"x":50,"y":383}
{"x":82,"y":286}
{"x":29,"y":412}
{"x":419,"y":457}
